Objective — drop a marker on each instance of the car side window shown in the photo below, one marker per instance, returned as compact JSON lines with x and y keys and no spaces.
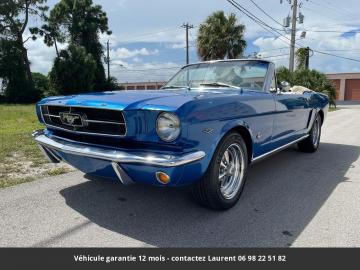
{"x":273,"y":86}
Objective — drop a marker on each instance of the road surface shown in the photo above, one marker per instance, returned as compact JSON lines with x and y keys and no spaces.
{"x":290,"y":199}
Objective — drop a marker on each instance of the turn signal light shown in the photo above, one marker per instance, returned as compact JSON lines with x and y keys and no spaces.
{"x":162,"y":177}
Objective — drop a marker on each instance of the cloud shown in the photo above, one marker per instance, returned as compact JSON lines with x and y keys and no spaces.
{"x":124,"y":53}
{"x":143,"y":72}
{"x":40,"y":55}
{"x":180,"y":45}
{"x":137,"y":59}
{"x":113,"y":39}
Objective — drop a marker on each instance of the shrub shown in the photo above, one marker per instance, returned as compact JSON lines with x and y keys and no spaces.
{"x":73,"y":71}
{"x":312,"y":79}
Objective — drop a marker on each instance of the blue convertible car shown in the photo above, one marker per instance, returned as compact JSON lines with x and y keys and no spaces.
{"x":203,"y":128}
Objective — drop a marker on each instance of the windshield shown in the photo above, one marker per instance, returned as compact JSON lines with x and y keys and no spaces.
{"x":227,"y":74}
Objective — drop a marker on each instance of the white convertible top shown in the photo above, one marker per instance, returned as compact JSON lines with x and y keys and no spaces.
{"x":299,"y":89}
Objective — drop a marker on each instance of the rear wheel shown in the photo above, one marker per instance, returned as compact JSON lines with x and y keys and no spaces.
{"x":222,"y":184}
{"x":311,"y":143}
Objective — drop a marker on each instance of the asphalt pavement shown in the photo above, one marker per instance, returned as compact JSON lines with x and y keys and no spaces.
{"x":290,"y":199}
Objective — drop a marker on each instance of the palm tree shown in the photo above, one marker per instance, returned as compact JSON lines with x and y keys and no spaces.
{"x":300,"y":58}
{"x":221,"y":37}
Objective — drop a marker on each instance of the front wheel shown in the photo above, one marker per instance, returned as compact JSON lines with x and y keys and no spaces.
{"x":311,"y":143}
{"x":222,"y":184}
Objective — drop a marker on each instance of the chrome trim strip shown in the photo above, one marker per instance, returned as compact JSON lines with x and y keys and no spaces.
{"x":116,"y":155}
{"x":89,"y":120}
{"x":106,"y":122}
{"x":52,"y":115}
{"x":121,"y":174}
{"x":79,"y":106}
{"x":86,"y":133}
{"x":278,"y":149}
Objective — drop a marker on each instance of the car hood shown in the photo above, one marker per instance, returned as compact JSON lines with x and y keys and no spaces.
{"x":169,"y":100}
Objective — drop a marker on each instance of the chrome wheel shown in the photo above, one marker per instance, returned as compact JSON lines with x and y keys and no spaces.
{"x":231,"y":171}
{"x":315,"y":135}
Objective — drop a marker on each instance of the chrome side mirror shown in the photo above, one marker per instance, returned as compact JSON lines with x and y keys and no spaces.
{"x":285,"y":86}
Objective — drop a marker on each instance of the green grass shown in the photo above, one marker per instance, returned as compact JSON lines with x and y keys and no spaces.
{"x":8,"y":182}
{"x":17,"y":123}
{"x":57,"y":171}
{"x":17,"y":146}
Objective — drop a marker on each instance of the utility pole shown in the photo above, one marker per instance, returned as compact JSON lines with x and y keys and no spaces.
{"x":293,"y":34}
{"x":187,"y":26}
{"x":307,"y":56}
{"x":108,"y":60}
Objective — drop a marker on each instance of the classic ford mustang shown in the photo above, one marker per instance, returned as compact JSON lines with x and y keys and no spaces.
{"x":203,"y":128}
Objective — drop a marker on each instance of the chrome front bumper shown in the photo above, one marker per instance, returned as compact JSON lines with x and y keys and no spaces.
{"x":47,"y":145}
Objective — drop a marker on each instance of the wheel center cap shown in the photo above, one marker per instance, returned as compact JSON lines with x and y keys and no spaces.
{"x":231,"y":170}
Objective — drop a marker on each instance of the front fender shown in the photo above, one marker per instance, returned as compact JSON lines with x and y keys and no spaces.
{"x":207,"y":136}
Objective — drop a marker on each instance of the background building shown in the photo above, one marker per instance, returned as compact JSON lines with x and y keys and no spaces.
{"x":142,"y":85}
{"x":347,"y":85}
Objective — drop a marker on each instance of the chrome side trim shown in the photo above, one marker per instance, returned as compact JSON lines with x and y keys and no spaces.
{"x":311,"y":122}
{"x":121,"y":174}
{"x":278,"y":149}
{"x":116,"y":155}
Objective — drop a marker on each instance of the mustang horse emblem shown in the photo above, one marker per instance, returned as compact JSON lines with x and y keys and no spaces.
{"x":71,"y":119}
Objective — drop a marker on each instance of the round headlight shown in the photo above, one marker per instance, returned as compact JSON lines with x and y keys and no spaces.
{"x":168,"y":126}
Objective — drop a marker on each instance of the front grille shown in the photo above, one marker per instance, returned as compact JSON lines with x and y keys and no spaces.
{"x":85,"y":120}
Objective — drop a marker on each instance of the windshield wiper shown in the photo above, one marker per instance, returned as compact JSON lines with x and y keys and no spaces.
{"x":220,"y":85}
{"x":176,"y":87}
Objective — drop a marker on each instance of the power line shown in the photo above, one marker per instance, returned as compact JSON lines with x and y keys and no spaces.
{"x":271,"y":56}
{"x":338,"y":7}
{"x":336,"y":50}
{"x":338,"y":56}
{"x":267,"y":14}
{"x":335,"y":12}
{"x":253,"y":17}
{"x":135,"y":37}
{"x":325,"y":31}
{"x":275,"y":49}
{"x":331,"y":7}
{"x":262,"y":24}
{"x":152,"y":69}
{"x":333,"y":31}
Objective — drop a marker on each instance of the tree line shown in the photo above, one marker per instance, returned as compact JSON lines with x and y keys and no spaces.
{"x":77,"y":68}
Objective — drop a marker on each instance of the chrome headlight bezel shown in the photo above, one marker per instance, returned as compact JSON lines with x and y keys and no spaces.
{"x":168,"y":126}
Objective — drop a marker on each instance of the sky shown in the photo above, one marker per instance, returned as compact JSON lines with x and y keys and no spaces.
{"x":148,"y":42}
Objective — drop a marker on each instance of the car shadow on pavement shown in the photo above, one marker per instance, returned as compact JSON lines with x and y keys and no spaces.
{"x":282,"y":195}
